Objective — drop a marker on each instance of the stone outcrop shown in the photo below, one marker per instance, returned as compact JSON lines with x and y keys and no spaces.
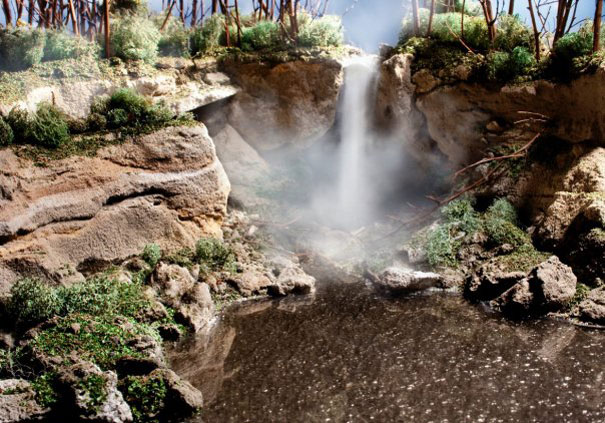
{"x":288,"y":104}
{"x":68,"y":218}
{"x":398,"y":280}
{"x":593,"y":307}
{"x":179,"y":90}
{"x":18,"y":402}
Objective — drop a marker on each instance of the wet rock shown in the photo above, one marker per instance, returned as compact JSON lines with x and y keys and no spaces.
{"x":425,"y":81}
{"x":593,"y":307}
{"x":517,"y":301}
{"x":489,"y":281}
{"x":94,"y":394}
{"x":191,"y":300}
{"x":400,"y":280}
{"x":182,"y":398}
{"x":290,"y":278}
{"x":585,"y":256}
{"x":253,"y":281}
{"x":149,"y":357}
{"x":555,"y":282}
{"x":18,"y":402}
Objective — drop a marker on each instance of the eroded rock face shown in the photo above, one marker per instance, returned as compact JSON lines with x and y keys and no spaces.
{"x":291,"y":103}
{"x":593,"y":307}
{"x":18,"y":402}
{"x":456,"y":114}
{"x":81,"y":213}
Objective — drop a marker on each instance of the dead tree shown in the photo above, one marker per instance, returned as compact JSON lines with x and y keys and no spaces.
{"x":535,"y":28}
{"x":597,"y":26}
{"x":415,"y":17}
{"x":107,"y":30}
{"x":6,"y":7}
{"x":490,"y":19}
{"x":563,"y":11}
{"x":429,"y":28}
{"x":511,"y":7}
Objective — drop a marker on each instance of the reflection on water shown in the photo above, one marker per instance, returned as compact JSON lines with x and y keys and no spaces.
{"x":349,"y":355}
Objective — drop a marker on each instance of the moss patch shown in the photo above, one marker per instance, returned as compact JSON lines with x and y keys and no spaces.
{"x":145,"y":395}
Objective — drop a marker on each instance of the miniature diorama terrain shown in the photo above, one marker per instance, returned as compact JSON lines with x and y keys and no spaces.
{"x":215,"y":211}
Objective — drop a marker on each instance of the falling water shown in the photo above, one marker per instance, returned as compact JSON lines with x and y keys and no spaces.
{"x":353,"y":188}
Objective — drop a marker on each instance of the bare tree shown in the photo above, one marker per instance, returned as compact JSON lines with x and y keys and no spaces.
{"x":535,"y":28}
{"x":6,"y":7}
{"x":431,"y":14}
{"x":597,"y":26}
{"x":490,"y":19}
{"x":107,"y":30}
{"x":511,"y":7}
{"x":415,"y":17}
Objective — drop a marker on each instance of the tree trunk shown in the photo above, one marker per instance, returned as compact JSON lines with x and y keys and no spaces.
{"x":107,"y":30}
{"x":415,"y":17}
{"x":238,"y":23}
{"x":486,"y":5}
{"x":193,"y":13}
{"x":72,"y":15}
{"x":535,"y":27}
{"x":431,"y":14}
{"x":597,"y":26}
{"x":293,"y":21}
{"x":214,"y":6}
{"x":225,"y":7}
{"x":7,"y":13}
{"x":511,"y":7}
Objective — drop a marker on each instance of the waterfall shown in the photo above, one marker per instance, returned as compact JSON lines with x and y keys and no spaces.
{"x":354,"y":193}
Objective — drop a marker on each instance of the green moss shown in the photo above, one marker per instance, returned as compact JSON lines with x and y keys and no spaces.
{"x":135,"y":38}
{"x":326,"y":31}
{"x":183,"y":257}
{"x":94,"y":386}
{"x":145,"y":395}
{"x":102,"y":340}
{"x":523,"y":259}
{"x":461,"y":213}
{"x":45,"y":388}
{"x":502,"y":209}
{"x":597,"y":234}
{"x":207,"y":37}
{"x":263,"y":35}
{"x":62,"y":45}
{"x":19,"y":121}
{"x":441,"y":248}
{"x":500,"y":231}
{"x":21,"y":48}
{"x":582,"y":292}
{"x":227,"y":297}
{"x":152,"y":253}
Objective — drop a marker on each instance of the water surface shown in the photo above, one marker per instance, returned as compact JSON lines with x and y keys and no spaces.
{"x":350,"y":355}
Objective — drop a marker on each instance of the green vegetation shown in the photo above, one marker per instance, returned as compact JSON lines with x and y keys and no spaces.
{"x":48,"y":128}
{"x":32,"y":302}
{"x":21,"y":48}
{"x":459,"y":223}
{"x":135,"y":38}
{"x":94,"y":387}
{"x":44,"y":386}
{"x":145,"y":395}
{"x":262,"y":36}
{"x":152,"y":253}
{"x":325,"y":32}
{"x":207,"y":37}
{"x":7,"y":135}
{"x":175,"y":39}
{"x":213,"y":255}
{"x":582,"y":292}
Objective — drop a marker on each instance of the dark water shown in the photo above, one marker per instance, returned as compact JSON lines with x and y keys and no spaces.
{"x":349,"y":355}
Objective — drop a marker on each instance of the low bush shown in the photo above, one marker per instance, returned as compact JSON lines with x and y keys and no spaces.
{"x":135,"y":38}
{"x":462,"y":214}
{"x":441,"y":248}
{"x":6,"y":133}
{"x":62,"y":45}
{"x":48,"y":128}
{"x":261,"y":36}
{"x":512,"y":33}
{"x":21,"y":48}
{"x":326,"y":31}
{"x":570,"y":47}
{"x":504,"y":66}
{"x":152,"y":253}
{"x":124,"y":108}
{"x":145,"y":395}
{"x":207,"y":37}
{"x":19,"y":121}
{"x":32,"y":302}
{"x":214,"y":255}
{"x":175,"y":39}
{"x":501,"y":208}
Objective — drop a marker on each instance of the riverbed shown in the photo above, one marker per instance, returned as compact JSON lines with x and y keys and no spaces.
{"x":350,"y":354}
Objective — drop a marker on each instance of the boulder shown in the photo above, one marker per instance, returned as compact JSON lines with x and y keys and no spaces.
{"x":149,"y":357}
{"x":593,"y":307}
{"x":490,"y":281}
{"x":94,"y":394}
{"x":285,"y":104}
{"x":191,"y":300}
{"x":18,"y":402}
{"x":290,"y":278}
{"x":400,"y":280}
{"x":555,"y":282}
{"x":182,"y":399}
{"x":82,"y":213}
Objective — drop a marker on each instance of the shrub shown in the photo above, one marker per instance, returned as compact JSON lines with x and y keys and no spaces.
{"x":471,"y":7}
{"x":96,"y":122}
{"x":62,"y":45}
{"x":127,"y":108}
{"x":503,"y":209}
{"x":19,"y":121}
{"x":32,"y":302}
{"x":512,"y":33}
{"x":571,"y":46}
{"x":152,"y":254}
{"x":21,"y":48}
{"x":214,"y":255}
{"x":174,"y":39}
{"x":503,"y":66}
{"x":462,"y":214}
{"x":326,"y":31}
{"x":441,"y":248}
{"x":135,"y":38}
{"x":208,"y":36}
{"x":48,"y":128}
{"x":500,"y":231}
{"x":6,"y":133}
{"x":263,"y":35}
